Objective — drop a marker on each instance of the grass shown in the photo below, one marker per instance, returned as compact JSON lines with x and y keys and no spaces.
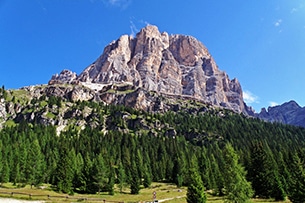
{"x":9,"y":123}
{"x":163,"y":191}
{"x":113,"y":91}
{"x":50,"y":115}
{"x":21,"y":96}
{"x":43,"y":104}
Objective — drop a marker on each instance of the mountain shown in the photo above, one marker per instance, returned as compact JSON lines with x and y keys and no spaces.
{"x":288,"y":113}
{"x":154,"y":72}
{"x":184,"y":110}
{"x":171,"y":65}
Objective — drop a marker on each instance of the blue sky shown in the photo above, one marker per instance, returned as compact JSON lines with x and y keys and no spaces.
{"x":262,"y":43}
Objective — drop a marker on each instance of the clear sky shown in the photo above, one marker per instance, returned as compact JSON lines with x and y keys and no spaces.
{"x":262,"y":43}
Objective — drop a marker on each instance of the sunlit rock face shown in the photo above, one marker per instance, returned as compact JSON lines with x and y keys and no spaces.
{"x":169,"y":64}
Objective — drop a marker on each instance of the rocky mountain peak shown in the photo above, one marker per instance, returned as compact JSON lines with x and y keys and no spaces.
{"x":167,"y":64}
{"x":150,"y":31}
{"x":289,"y":113}
{"x":65,"y":77}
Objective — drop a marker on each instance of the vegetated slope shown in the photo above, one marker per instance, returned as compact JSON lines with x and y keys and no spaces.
{"x":84,"y":136}
{"x":144,"y":146}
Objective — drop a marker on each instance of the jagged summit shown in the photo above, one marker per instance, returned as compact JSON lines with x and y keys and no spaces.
{"x":169,"y":64}
{"x":289,"y":112}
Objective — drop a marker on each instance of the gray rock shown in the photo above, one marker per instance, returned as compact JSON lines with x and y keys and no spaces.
{"x":3,"y":112}
{"x":288,"y":113}
{"x":65,"y":77}
{"x":173,"y":65}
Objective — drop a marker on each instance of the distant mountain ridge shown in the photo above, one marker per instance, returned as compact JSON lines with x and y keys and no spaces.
{"x":288,"y":113}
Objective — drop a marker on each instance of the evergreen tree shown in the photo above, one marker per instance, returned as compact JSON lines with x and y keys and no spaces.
{"x":283,"y":171}
{"x":15,"y":169}
{"x":79,"y":164}
{"x":111,"y":180}
{"x":5,"y":173}
{"x":86,"y":178}
{"x":23,"y":148}
{"x":121,"y":177}
{"x":135,"y":179}
{"x":296,"y":192}
{"x":15,"y":174}
{"x":99,"y":174}
{"x":1,"y":163}
{"x":179,"y":171}
{"x":147,"y":176}
{"x":204,"y":165}
{"x":264,"y":173}
{"x":195,"y":190}
{"x":65,"y":171}
{"x":237,"y":188}
{"x":35,"y":164}
{"x":217,"y":177}
{"x":4,"y":93}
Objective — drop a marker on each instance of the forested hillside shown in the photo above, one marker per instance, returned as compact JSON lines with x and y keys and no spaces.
{"x":132,"y":148}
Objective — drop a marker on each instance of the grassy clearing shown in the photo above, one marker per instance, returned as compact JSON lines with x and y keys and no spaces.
{"x":163,"y":191}
{"x":21,"y":96}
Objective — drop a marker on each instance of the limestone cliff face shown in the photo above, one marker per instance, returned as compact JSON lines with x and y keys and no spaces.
{"x":173,"y":65}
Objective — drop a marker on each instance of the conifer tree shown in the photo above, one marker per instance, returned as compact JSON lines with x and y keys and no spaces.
{"x":111,"y":180}
{"x":65,"y":171}
{"x":195,"y":190}
{"x":5,"y":173}
{"x":99,"y":173}
{"x":296,"y":192}
{"x":283,"y":171}
{"x":121,"y":177}
{"x":217,"y":177}
{"x":146,"y":176}
{"x":147,"y":173}
{"x":178,"y":172}
{"x":204,"y":165}
{"x":79,"y":164}
{"x":264,"y":173}
{"x":86,"y":178}
{"x":1,"y":162}
{"x":237,"y":188}
{"x":23,"y":161}
{"x":15,"y":170}
{"x":35,"y":164}
{"x":135,"y":179}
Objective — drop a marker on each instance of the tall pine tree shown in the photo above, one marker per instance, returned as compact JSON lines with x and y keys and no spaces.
{"x":121,"y":177}
{"x":65,"y":171}
{"x":237,"y":188}
{"x":195,"y":190}
{"x":264,"y":173}
{"x":135,"y":179}
{"x":296,"y":192}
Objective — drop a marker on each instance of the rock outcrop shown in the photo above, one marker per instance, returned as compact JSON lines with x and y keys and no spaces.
{"x":172,"y":65}
{"x":288,"y":113}
{"x":3,"y":112}
{"x":65,"y":77}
